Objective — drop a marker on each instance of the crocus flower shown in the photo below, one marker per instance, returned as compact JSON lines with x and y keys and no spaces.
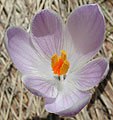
{"x":56,"y":60}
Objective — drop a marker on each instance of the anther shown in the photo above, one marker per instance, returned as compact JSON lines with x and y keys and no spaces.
{"x":60,"y":65}
{"x":54,"y":59}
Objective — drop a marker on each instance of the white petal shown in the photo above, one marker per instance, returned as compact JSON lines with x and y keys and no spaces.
{"x":90,"y":74}
{"x":40,"y":86}
{"x":84,"y":34}
{"x":46,"y":31}
{"x":69,"y":100}
{"x":23,"y":53}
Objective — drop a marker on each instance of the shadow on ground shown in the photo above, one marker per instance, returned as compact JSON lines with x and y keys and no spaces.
{"x":49,"y":117}
{"x":100,"y":89}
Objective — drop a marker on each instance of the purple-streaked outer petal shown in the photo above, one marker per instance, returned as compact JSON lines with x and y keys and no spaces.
{"x":85,"y":28}
{"x":91,"y":74}
{"x":46,"y":32}
{"x":68,"y":104}
{"x":21,"y":50}
{"x":40,"y":86}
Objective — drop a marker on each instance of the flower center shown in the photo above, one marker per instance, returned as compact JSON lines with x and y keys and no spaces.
{"x":60,"y":65}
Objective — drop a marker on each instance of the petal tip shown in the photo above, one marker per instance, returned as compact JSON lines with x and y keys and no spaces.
{"x":9,"y":34}
{"x":107,"y":69}
{"x":73,"y":110}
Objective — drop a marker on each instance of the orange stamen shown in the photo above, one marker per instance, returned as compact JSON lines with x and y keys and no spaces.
{"x":60,"y":65}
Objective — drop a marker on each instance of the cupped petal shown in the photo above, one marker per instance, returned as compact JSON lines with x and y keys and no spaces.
{"x":69,"y":100}
{"x":40,"y":86}
{"x":46,"y":32}
{"x":91,"y":74}
{"x":85,"y":30}
{"x":68,"y":104}
{"x":22,"y":52}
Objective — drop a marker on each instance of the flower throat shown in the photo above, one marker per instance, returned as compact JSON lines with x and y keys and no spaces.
{"x":60,"y":65}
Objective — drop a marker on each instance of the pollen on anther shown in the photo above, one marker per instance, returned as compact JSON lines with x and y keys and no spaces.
{"x":54,"y":59}
{"x":60,"y":65}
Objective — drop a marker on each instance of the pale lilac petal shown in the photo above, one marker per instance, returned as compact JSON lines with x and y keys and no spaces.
{"x":68,"y":104}
{"x":85,"y":30}
{"x":46,"y":32}
{"x":22,"y":52}
{"x":91,"y":74}
{"x":40,"y":86}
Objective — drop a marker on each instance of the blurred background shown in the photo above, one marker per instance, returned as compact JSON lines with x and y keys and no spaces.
{"x":16,"y":102}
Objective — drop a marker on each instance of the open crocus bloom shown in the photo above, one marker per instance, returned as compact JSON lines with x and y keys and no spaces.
{"x":55,"y":59}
